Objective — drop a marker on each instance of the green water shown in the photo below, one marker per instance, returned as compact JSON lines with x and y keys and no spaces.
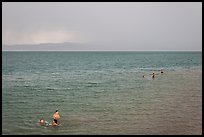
{"x":102,"y":92}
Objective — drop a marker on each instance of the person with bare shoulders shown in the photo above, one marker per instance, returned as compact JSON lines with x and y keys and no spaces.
{"x":56,"y":118}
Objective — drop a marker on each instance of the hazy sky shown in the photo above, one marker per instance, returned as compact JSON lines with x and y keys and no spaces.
{"x":105,"y":26}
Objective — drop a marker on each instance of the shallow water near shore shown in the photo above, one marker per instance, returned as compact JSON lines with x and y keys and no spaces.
{"x":102,"y":92}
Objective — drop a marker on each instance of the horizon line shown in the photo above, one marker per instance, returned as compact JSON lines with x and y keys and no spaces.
{"x":103,"y":50}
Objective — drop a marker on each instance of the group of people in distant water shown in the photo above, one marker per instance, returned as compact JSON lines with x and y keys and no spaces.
{"x":154,"y":75}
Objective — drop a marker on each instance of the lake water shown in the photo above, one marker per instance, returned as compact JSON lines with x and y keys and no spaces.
{"x":102,"y":92}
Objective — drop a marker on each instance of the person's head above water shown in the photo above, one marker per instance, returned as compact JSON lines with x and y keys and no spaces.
{"x":41,"y":121}
{"x":56,"y":111}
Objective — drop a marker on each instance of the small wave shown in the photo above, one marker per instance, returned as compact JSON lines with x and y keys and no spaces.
{"x":151,"y":69}
{"x":22,"y":101}
{"x":26,"y":86}
{"x":55,"y":73}
{"x":49,"y":89}
{"x":92,"y":83}
{"x":19,"y":78}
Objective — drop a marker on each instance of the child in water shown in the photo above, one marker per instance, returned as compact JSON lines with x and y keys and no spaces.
{"x":43,"y":122}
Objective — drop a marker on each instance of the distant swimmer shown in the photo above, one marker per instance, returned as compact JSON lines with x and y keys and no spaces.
{"x":143,"y":76}
{"x":153,"y":75}
{"x":162,"y":71}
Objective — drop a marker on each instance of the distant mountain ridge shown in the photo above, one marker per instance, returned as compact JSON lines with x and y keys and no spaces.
{"x":71,"y":46}
{"x":63,"y":43}
{"x":46,"y":47}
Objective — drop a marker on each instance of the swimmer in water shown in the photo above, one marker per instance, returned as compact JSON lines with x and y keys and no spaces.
{"x":43,"y":122}
{"x":153,"y":75}
{"x":56,"y":117}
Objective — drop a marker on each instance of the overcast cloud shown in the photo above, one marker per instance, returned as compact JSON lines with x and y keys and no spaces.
{"x":105,"y":26}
